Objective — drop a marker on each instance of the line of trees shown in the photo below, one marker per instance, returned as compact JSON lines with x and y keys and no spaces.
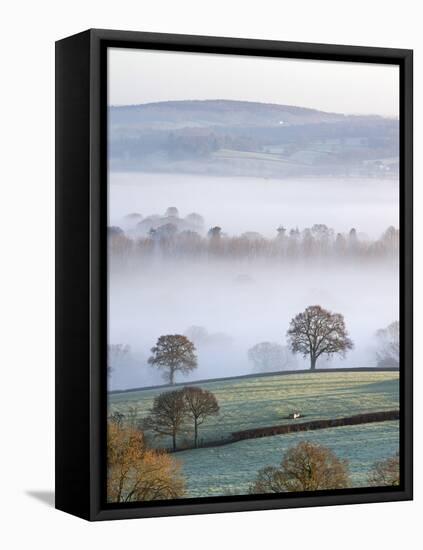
{"x":318,"y":241}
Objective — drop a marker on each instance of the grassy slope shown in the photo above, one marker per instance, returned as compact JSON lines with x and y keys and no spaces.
{"x":231,"y":468}
{"x":265,"y":401}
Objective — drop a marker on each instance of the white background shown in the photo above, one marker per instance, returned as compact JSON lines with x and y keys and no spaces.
{"x":28,"y":32}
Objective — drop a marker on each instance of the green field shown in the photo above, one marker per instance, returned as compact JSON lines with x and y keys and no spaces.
{"x":268,"y":400}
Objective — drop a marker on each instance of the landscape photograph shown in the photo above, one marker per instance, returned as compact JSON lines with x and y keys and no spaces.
{"x":253,"y":276}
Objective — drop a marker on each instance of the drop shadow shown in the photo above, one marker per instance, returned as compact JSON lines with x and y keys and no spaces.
{"x":46,"y":497}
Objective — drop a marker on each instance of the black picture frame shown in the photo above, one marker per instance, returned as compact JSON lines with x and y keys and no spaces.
{"x":81,"y":271}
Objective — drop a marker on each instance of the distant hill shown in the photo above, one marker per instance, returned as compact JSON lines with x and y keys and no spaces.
{"x":248,"y":138}
{"x":202,"y":114}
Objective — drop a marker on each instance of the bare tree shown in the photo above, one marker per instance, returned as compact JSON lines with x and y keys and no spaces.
{"x":200,"y":404}
{"x":388,"y":346}
{"x":317,"y":331}
{"x":115,"y":354}
{"x":305,"y":467}
{"x":168,"y":415}
{"x":385,"y":472}
{"x":173,"y":352}
{"x":269,"y":356}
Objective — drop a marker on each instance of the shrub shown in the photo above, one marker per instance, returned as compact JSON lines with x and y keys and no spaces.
{"x":305,"y":467}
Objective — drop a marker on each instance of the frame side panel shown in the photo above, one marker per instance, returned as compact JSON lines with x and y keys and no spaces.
{"x":406,"y":275}
{"x":72,"y":275}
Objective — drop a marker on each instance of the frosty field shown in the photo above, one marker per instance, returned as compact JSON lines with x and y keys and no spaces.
{"x":231,"y":468}
{"x":265,"y":401}
{"x":268,"y":400}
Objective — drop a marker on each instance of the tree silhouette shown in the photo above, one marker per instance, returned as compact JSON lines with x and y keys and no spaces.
{"x":317,"y":331}
{"x":173,"y":352}
{"x":167,"y":415}
{"x":269,"y":356}
{"x":200,"y":404}
{"x":115,"y":354}
{"x":215,"y":232}
{"x":172,"y":211}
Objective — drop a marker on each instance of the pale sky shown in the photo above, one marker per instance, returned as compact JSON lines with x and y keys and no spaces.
{"x":144,"y":76}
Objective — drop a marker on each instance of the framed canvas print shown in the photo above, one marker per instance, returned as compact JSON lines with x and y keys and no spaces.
{"x":234,"y":274}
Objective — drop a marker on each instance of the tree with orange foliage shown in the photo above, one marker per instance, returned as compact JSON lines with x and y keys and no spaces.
{"x":136,"y":473}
